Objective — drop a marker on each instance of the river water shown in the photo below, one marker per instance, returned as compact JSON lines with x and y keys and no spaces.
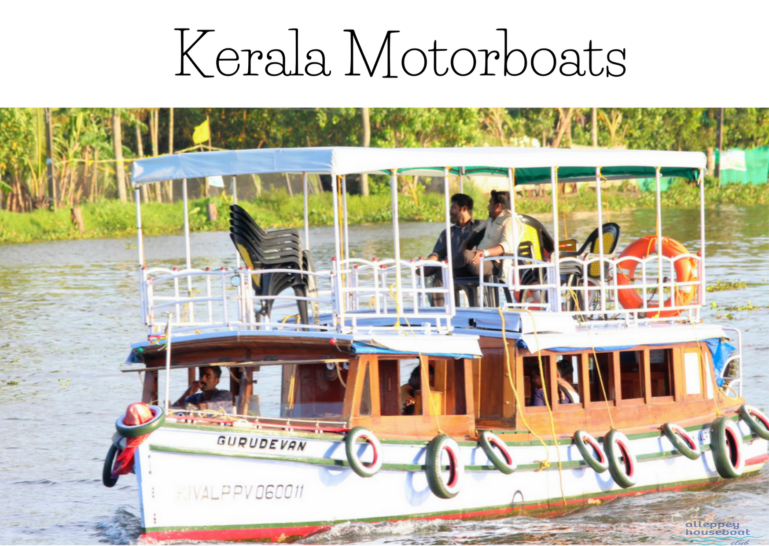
{"x":70,"y":310}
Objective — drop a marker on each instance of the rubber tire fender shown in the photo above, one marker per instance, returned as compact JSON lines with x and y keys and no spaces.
{"x":756,"y":420}
{"x":682,"y":441}
{"x":726,"y":445}
{"x":588,"y":447}
{"x":501,"y":459}
{"x":351,"y":443}
{"x":435,"y":449}
{"x":617,"y":445}
{"x":109,"y":463}
{"x":152,"y":425}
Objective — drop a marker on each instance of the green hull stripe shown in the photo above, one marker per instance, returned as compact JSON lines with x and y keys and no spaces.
{"x":402,"y":467}
{"x":555,"y":501}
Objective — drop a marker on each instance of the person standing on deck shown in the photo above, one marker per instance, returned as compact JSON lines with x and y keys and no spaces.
{"x":502,"y":234}
{"x":463,"y":225}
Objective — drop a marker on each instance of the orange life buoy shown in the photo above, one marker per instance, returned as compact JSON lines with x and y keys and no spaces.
{"x":686,"y":271}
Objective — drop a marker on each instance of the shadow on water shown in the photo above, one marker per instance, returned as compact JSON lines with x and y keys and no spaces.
{"x":70,"y":312}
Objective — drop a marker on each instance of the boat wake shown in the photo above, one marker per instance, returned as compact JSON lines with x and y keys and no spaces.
{"x":124,"y":527}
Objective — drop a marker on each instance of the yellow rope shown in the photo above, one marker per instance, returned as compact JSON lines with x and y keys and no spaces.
{"x":291,"y":383}
{"x":339,"y":375}
{"x":595,"y":358}
{"x":704,"y":362}
{"x":431,"y":401}
{"x":547,"y":403}
{"x":546,"y":463}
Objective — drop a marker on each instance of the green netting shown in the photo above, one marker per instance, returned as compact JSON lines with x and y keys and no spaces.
{"x":579,"y":174}
{"x":756,"y":167}
{"x":649,"y":184}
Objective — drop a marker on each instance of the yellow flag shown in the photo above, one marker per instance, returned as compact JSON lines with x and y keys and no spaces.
{"x":201,"y":134}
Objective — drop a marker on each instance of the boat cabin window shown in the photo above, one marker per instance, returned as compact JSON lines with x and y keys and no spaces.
{"x":604,"y":364}
{"x":401,"y":393}
{"x":631,"y":374}
{"x":534,"y":384}
{"x":305,"y":390}
{"x":569,"y":387}
{"x":661,"y":372}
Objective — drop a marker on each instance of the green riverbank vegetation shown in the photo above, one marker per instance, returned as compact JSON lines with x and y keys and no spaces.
{"x":82,"y":155}
{"x":276,"y":209}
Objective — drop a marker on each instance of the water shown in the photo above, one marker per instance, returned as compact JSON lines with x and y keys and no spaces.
{"x":70,"y":311}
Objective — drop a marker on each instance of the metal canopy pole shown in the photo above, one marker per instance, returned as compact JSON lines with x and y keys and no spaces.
{"x":235,"y":201}
{"x":335,"y":201}
{"x":516,"y":236}
{"x":306,"y":214}
{"x":191,"y":315}
{"x":703,"y":291}
{"x":140,"y":240}
{"x":660,"y":294}
{"x":449,"y":257}
{"x":397,"y":242}
{"x":556,"y":252}
{"x":461,"y":180}
{"x":344,"y":212}
{"x":600,"y":239}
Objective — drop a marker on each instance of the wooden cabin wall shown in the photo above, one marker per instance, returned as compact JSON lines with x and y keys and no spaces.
{"x":636,"y":402}
{"x":389,"y":387}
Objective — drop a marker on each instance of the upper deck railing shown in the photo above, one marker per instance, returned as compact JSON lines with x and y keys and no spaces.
{"x":195,"y":300}
{"x":603,"y":288}
{"x":354,"y":291}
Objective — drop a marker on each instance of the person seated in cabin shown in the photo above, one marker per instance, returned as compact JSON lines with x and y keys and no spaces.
{"x":502,"y":233}
{"x":462,"y":226}
{"x":567,"y":392}
{"x":209,"y":397}
{"x":409,"y":390}
{"x":537,"y":391}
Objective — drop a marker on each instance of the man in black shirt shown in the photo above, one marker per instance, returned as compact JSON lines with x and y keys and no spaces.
{"x":463,"y":225}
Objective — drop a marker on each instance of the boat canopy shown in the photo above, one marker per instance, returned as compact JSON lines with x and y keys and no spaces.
{"x":532,"y":165}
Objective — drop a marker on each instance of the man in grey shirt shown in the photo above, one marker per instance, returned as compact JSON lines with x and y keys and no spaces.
{"x":463,"y":225}
{"x":209,"y":396}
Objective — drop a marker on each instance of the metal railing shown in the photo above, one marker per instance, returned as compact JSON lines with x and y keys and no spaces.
{"x":222,"y":299}
{"x":622,"y":288}
{"x":370,"y":289}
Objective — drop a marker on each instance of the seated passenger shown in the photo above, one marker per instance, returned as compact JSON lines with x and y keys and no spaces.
{"x":409,"y":390}
{"x":567,"y":393}
{"x":463,"y":225}
{"x":503,"y":234}
{"x":537,"y":392}
{"x":209,"y":396}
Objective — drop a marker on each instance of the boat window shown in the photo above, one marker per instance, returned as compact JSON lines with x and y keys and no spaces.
{"x":693,"y":372}
{"x":569,"y":388}
{"x":661,"y":372}
{"x":534,"y":384}
{"x":306,"y":390}
{"x":399,"y":397}
{"x":631,"y":374}
{"x":606,"y":375}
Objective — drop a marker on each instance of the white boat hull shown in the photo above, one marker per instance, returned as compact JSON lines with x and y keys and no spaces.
{"x":200,"y":483}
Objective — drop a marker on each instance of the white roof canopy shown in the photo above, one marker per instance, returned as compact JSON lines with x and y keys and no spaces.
{"x":531,"y":164}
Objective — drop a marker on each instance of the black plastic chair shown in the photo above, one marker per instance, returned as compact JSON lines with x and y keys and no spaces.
{"x":571,"y":273}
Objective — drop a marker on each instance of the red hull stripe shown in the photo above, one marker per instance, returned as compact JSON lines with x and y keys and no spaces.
{"x":757,"y":460}
{"x":280,"y":533}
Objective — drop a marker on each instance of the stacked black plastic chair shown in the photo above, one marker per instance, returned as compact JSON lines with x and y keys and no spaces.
{"x":277,"y":249}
